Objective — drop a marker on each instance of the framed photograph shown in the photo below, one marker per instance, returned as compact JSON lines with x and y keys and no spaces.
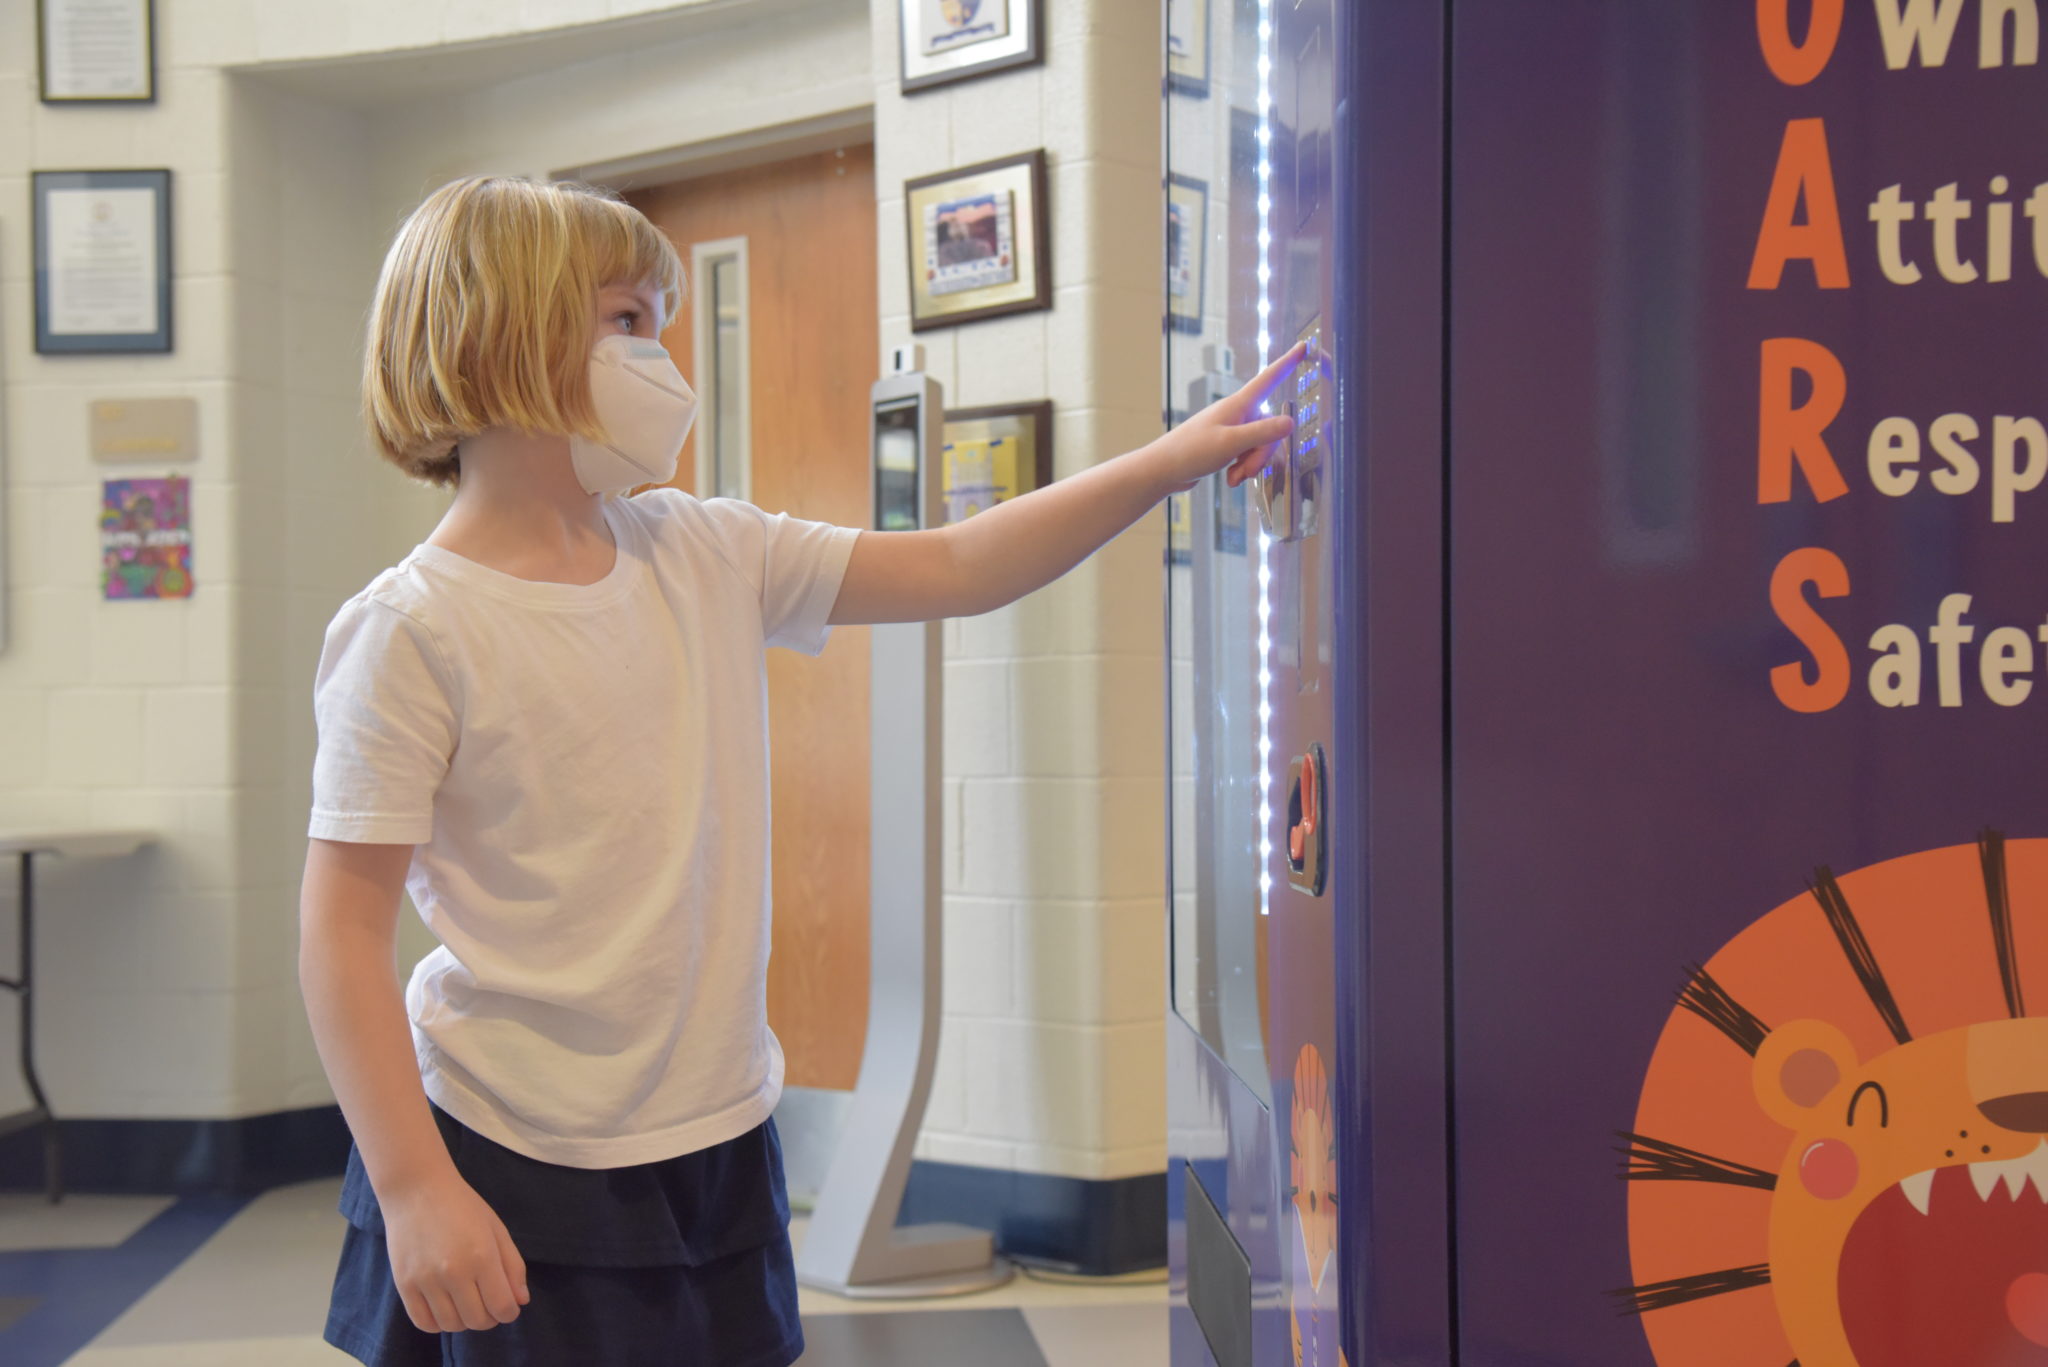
{"x":1187,"y":251}
{"x":952,"y":40}
{"x":96,"y":51}
{"x":102,"y":261}
{"x":993,"y":454}
{"x":1187,"y":47}
{"x":979,"y":242}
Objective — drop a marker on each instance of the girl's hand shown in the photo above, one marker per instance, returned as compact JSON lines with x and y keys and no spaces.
{"x":1230,"y":433}
{"x":452,"y":1259}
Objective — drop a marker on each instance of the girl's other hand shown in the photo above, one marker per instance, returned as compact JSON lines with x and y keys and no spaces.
{"x":452,"y":1259}
{"x":1230,"y":434}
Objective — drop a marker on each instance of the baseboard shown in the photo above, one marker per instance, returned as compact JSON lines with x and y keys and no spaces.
{"x":1096,"y":1228}
{"x":1093,"y":1228}
{"x":185,"y":1157}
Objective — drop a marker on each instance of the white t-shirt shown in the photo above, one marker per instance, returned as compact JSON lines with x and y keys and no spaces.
{"x":583,"y":771}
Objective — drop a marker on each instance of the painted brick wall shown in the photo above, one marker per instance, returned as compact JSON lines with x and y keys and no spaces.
{"x":1052,"y":1053}
{"x":169,"y":987}
{"x":164,"y":977}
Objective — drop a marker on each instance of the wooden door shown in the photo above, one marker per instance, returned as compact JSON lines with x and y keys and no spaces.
{"x":809,"y":223}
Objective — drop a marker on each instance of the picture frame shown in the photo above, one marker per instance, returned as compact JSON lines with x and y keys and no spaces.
{"x":96,"y":51}
{"x":980,"y":242}
{"x":1180,"y":536}
{"x":1187,"y":251}
{"x":1187,"y":47}
{"x":102,"y":261}
{"x":942,"y":41}
{"x":991,"y":454}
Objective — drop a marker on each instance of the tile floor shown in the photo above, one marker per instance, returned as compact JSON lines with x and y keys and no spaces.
{"x":103,"y":1281}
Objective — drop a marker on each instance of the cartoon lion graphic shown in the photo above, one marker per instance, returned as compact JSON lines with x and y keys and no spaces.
{"x":1840,"y":1157}
{"x":1312,"y":1315}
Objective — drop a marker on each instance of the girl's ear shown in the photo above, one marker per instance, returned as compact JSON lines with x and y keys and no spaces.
{"x":1799,"y":1066}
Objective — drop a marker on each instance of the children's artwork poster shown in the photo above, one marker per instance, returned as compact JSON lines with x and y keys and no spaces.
{"x":1749,"y":847}
{"x":953,"y":24}
{"x":1180,"y":535}
{"x":969,"y":243}
{"x":991,"y":455}
{"x":972,"y":482}
{"x":146,"y":538}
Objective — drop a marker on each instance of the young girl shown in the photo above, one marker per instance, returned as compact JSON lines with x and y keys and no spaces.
{"x":548,"y":724}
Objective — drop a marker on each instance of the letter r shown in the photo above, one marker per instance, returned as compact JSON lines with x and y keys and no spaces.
{"x":1789,"y":435}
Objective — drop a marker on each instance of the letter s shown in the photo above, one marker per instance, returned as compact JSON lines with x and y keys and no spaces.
{"x":1830,"y":579}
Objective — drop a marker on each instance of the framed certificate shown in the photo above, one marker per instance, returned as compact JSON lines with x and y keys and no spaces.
{"x":102,"y":261}
{"x":97,"y":51}
{"x":979,"y":242}
{"x":952,"y":40}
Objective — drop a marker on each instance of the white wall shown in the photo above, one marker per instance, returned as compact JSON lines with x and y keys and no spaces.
{"x":125,"y":712}
{"x":168,"y":979}
{"x":239,"y":32}
{"x":1052,"y":1056}
{"x":638,"y":103}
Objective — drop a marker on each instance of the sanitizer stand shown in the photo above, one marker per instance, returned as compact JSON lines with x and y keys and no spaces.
{"x":854,"y":1246}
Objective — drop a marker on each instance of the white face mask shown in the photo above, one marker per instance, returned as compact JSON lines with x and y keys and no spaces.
{"x":646,"y":410}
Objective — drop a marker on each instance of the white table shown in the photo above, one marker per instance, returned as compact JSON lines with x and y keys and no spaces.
{"x":25,"y":846}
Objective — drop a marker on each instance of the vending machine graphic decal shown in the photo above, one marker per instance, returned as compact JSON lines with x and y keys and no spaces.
{"x":1660,"y":626}
{"x":1748,"y":642}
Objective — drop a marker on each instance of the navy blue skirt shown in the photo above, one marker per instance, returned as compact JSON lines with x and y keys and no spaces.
{"x":681,"y":1263}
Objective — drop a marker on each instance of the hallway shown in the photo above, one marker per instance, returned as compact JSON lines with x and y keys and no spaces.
{"x":118,"y":1281}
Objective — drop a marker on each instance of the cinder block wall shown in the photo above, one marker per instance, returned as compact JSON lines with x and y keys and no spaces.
{"x":133,"y":713}
{"x":1052,"y":1056}
{"x":168,"y":986}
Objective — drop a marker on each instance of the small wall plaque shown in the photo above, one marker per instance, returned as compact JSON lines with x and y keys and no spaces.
{"x":145,"y":430}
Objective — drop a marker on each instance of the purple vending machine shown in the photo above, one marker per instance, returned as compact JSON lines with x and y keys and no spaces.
{"x":1610,"y":844}
{"x":1306,"y":1037}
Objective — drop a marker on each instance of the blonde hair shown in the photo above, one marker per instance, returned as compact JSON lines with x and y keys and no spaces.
{"x":482,"y":316}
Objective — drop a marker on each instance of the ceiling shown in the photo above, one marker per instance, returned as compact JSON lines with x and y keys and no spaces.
{"x":382,"y":79}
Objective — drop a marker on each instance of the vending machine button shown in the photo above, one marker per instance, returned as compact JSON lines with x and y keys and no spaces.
{"x":1307,"y":844}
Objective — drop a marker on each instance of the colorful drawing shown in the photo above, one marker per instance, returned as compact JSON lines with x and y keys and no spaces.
{"x":1839,"y":1154}
{"x":146,"y":538}
{"x":1312,"y":1177}
{"x":975,"y":475}
{"x":969,"y":244}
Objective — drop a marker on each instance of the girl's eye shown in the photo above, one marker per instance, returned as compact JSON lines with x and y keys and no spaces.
{"x":627,"y":321}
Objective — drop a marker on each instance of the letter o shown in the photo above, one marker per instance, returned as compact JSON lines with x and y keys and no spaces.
{"x":1797,"y":63}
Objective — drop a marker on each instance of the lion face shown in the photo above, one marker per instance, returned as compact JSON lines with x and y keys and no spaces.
{"x":1840,"y":1154}
{"x":1312,"y":1163}
{"x":1909,"y":1223}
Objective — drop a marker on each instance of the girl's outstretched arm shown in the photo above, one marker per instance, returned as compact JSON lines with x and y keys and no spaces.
{"x":451,"y":1257}
{"x":1018,"y":547}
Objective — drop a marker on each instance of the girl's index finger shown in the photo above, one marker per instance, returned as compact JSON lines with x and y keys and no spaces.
{"x":1263,"y":384}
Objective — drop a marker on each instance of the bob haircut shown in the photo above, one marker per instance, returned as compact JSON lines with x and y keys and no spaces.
{"x":482,"y":316}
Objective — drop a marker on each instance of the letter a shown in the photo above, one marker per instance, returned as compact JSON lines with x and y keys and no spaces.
{"x":1803,"y":173}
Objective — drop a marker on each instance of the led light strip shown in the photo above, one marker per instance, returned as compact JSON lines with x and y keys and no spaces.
{"x":1265,"y":541}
